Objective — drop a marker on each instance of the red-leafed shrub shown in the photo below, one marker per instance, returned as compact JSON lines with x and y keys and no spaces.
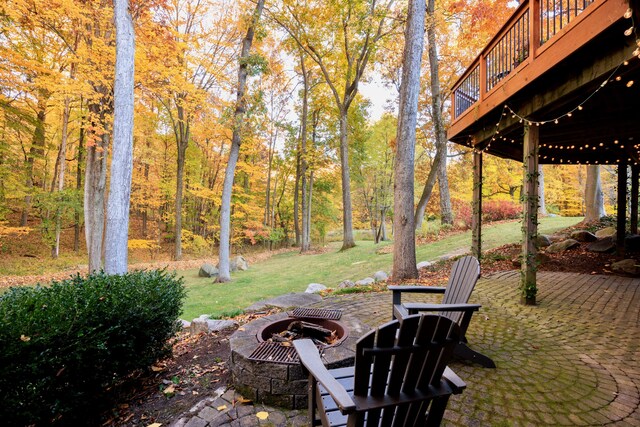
{"x":498,"y":210}
{"x":492,"y":210}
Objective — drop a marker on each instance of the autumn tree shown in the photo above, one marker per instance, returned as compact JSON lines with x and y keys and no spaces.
{"x":341,"y":38}
{"x":238,"y":117}
{"x":374,"y":173}
{"x":192,"y":56}
{"x":404,"y":247}
{"x":116,"y":251}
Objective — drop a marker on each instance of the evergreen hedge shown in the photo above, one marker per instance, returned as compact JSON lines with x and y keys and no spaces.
{"x":63,"y":346}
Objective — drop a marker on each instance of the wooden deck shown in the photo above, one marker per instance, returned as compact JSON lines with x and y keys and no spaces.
{"x":545,"y":61}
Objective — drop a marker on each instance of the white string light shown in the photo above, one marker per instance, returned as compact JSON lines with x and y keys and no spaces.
{"x":506,"y":109}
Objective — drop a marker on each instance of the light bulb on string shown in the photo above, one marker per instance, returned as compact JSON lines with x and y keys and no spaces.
{"x":628,"y":31}
{"x":628,"y":13}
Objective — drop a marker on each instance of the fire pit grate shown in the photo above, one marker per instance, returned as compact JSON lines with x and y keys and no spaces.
{"x":317,"y":313}
{"x":275,"y":352}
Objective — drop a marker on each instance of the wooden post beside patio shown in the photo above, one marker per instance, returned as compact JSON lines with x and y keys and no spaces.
{"x":530,"y":212}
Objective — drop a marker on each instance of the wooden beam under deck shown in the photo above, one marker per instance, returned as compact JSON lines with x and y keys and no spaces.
{"x":596,"y":19}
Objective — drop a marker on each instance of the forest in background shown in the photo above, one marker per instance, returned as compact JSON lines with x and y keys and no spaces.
{"x":56,"y":110}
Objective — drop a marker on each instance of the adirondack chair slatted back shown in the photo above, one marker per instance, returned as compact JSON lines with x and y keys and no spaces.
{"x":463,"y":278}
{"x":404,"y":359}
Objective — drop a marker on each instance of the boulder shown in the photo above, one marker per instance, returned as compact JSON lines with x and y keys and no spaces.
{"x":542,"y":241}
{"x":199,"y":326}
{"x":604,"y":245}
{"x":628,"y":266}
{"x":208,"y":270}
{"x":216,"y":325}
{"x":424,"y":264}
{"x":558,"y":247}
{"x":346,"y":284}
{"x":606,"y":232}
{"x":380,"y":276}
{"x":185,"y":324}
{"x":366,"y":281}
{"x":204,"y":324}
{"x":632,"y":243}
{"x":314,"y":288}
{"x":555,"y":238}
{"x":239,"y":263}
{"x":583,"y":236}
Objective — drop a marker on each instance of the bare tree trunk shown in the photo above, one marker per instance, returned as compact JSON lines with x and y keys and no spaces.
{"x":542,"y":206}
{"x":428,"y":189}
{"x":116,"y":249}
{"x":94,"y":198}
{"x":436,"y":115}
{"x":347,"y":212}
{"x":296,"y":200}
{"x":309,"y":199}
{"x":36,"y":151}
{"x":76,"y":227}
{"x":305,"y":245}
{"x":404,"y":247}
{"x":594,"y":200}
{"x":224,"y":274}
{"x":182,"y":133}
{"x":61,"y":163}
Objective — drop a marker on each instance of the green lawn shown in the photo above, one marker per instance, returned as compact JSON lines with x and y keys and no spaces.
{"x":292,"y":272}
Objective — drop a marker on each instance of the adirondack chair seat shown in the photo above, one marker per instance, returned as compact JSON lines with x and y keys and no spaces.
{"x":400,"y":376}
{"x":464,"y":275}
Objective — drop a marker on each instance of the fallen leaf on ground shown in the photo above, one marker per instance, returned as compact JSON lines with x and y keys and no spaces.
{"x":169,"y":390}
{"x":156,"y":368}
{"x":155,"y":425}
{"x":262,"y":415}
{"x":221,"y":407}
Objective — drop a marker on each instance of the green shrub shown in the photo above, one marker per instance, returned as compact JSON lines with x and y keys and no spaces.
{"x":64,"y":345}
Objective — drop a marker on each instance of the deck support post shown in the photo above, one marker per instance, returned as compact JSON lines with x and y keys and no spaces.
{"x":633,"y":222}
{"x":529,"y":265}
{"x":621,"y":222}
{"x":476,"y":219}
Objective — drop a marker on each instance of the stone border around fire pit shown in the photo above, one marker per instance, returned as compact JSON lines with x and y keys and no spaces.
{"x":280,"y":384}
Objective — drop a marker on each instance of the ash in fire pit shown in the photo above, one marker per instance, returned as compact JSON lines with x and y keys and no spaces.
{"x":299,"y":329}
{"x":276,"y":378}
{"x":323,"y":331}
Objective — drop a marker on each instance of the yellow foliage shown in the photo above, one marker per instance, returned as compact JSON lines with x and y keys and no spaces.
{"x":13,"y":231}
{"x":143,"y":244}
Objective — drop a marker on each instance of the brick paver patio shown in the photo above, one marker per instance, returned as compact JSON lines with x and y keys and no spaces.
{"x":574,"y":359}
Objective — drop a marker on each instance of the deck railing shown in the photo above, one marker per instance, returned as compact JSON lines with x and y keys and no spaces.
{"x":534,"y":23}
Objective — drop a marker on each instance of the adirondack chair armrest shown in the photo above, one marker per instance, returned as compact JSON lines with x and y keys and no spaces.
{"x":310,"y":359}
{"x":415,"y":307}
{"x":398,"y":290}
{"x":456,"y":383}
{"x":466,"y":309}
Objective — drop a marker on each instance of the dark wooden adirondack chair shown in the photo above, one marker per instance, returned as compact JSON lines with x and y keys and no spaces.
{"x":400,"y":377}
{"x":463,"y":278}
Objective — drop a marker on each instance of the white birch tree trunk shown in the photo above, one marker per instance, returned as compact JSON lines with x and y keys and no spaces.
{"x":542,"y":206}
{"x":117,"y":234}
{"x":593,"y":197}
{"x":224,"y":275}
{"x":404,"y":247}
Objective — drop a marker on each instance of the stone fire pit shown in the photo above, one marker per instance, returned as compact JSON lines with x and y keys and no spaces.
{"x":278,"y":384}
